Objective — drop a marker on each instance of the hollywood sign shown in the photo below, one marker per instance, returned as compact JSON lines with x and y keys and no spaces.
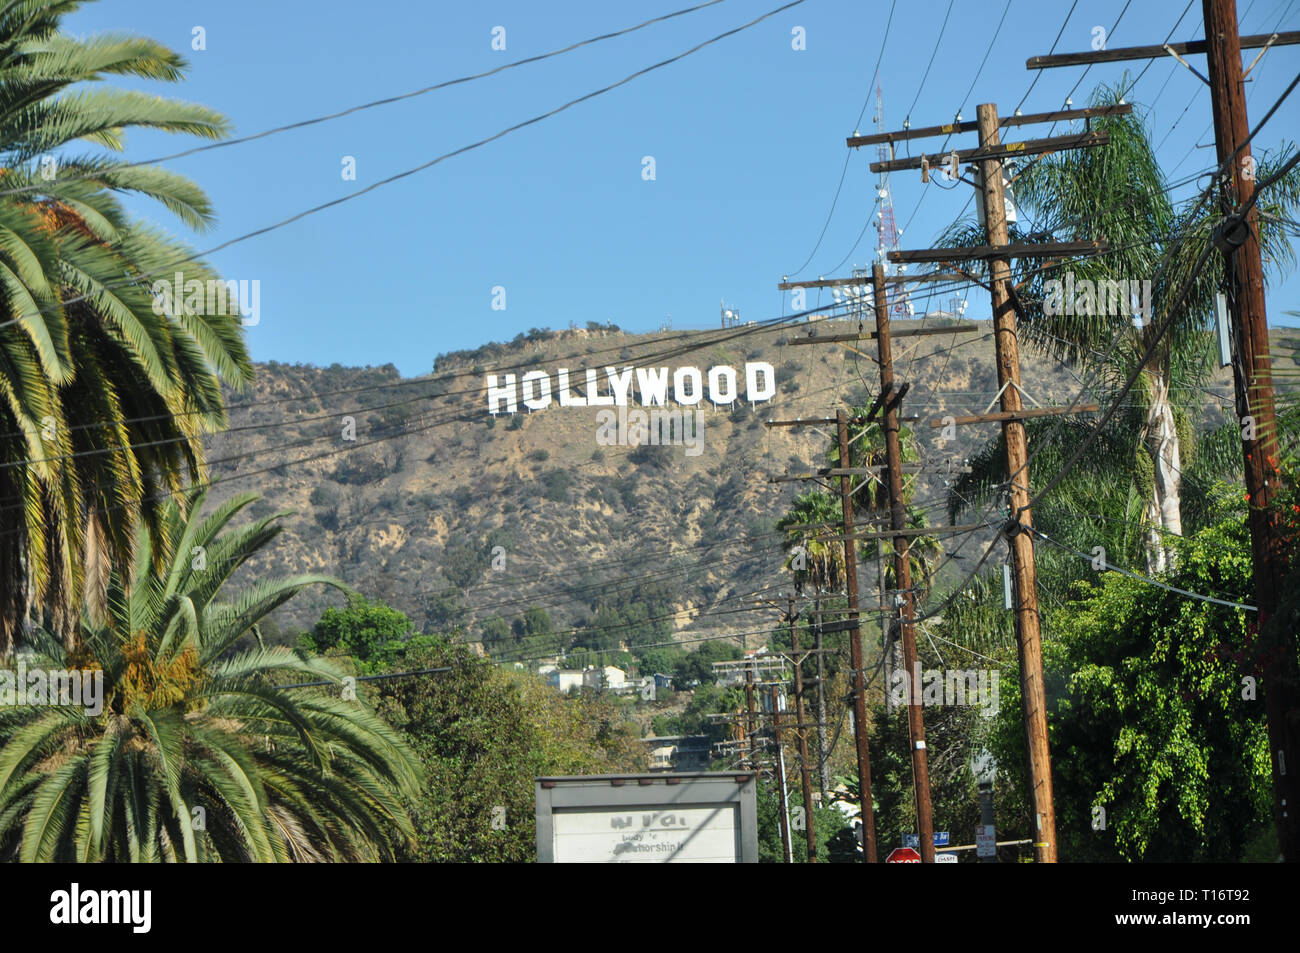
{"x":653,"y":386}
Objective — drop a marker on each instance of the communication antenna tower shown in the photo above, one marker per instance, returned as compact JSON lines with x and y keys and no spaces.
{"x":887,"y":233}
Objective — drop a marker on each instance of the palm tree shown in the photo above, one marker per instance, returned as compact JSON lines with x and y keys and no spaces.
{"x":103,"y":394}
{"x":823,"y":561}
{"x":867,"y":450}
{"x":813,"y":561}
{"x":1118,"y":192}
{"x":203,"y":751}
{"x":817,"y":562}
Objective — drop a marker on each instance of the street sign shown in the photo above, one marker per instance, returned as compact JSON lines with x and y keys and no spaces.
{"x":914,"y":840}
{"x":945,"y":858}
{"x":639,"y":819}
{"x":903,"y":855}
{"x":985,"y":841}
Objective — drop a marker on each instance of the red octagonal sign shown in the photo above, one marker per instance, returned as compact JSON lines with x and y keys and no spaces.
{"x":903,"y":855}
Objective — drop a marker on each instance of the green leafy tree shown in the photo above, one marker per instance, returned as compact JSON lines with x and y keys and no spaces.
{"x":829,"y":827}
{"x":463,"y":566}
{"x":494,"y":630}
{"x":483,"y":734}
{"x":813,"y":560}
{"x":697,"y":665}
{"x":535,"y":621}
{"x":360,"y":629}
{"x":867,"y":449}
{"x":1153,"y":712}
{"x":816,"y":561}
{"x":662,"y":659}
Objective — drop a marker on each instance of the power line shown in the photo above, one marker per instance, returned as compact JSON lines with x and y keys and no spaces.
{"x":135,"y":279}
{"x":1167,"y":259}
{"x":602,"y":587}
{"x":1140,"y":578}
{"x":1249,"y":93}
{"x":675,"y":351}
{"x":1168,"y":37}
{"x":997,"y":31}
{"x":402,"y":430}
{"x":907,"y":120}
{"x":373,"y":678}
{"x":1088,"y":68}
{"x":388,"y":100}
{"x":844,"y":171}
{"x":1059,"y":34}
{"x":437,"y":379}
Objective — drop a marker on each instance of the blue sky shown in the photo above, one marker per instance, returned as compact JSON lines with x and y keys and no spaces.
{"x":747,"y":137}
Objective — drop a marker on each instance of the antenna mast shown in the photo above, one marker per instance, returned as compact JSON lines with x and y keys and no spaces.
{"x":900,"y":306}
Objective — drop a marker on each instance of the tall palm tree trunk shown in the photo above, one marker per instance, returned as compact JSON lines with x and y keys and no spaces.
{"x":1164,"y":507}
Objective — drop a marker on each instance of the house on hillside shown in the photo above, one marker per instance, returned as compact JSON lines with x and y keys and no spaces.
{"x":678,"y":752}
{"x":566,"y":679}
{"x":606,"y":677}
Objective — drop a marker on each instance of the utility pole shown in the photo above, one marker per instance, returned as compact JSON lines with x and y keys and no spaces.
{"x":786,"y":846}
{"x":1028,"y":636}
{"x":859,"y":676}
{"x":1254,"y":391}
{"x":749,"y":718}
{"x":849,"y":538}
{"x":802,"y":737}
{"x":902,"y":569}
{"x":990,"y":155}
{"x":886,"y":632}
{"x":1252,"y":369}
{"x":821,"y":706}
{"x":998,"y":250}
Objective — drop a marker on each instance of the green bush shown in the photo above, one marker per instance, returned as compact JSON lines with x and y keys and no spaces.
{"x":359,"y":469}
{"x":325,"y":495}
{"x":556,"y":484}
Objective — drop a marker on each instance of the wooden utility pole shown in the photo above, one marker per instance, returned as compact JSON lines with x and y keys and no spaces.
{"x":784,"y":808}
{"x":1254,"y":391}
{"x":990,"y":155}
{"x":849,"y":537}
{"x":821,"y":707}
{"x":859,"y":675}
{"x":749,"y":718}
{"x":1028,"y":637}
{"x":805,"y":774}
{"x":1252,"y":368}
{"x":891,"y":657}
{"x":902,"y":571}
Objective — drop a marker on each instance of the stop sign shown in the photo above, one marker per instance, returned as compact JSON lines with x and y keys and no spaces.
{"x":903,"y":855}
